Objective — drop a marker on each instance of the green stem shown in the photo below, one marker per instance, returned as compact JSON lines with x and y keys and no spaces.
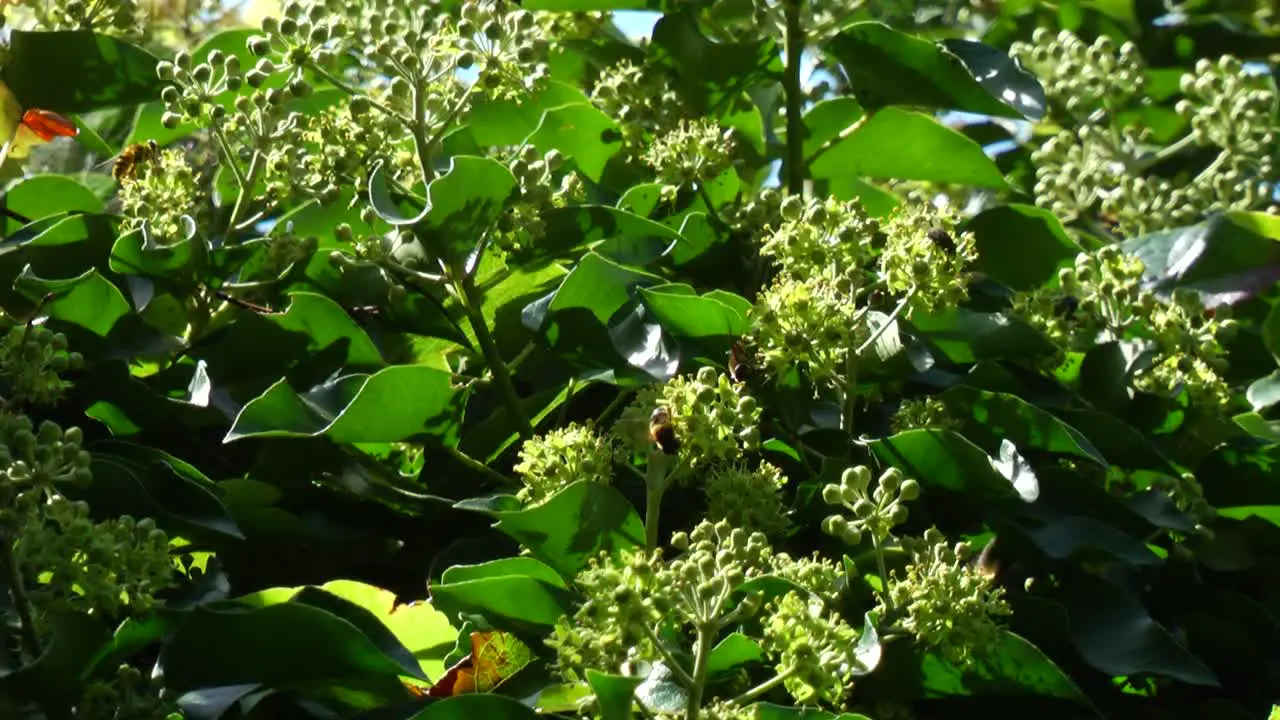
{"x":701,"y":654}
{"x":878,"y":548}
{"x":618,"y":401}
{"x":763,"y":687}
{"x":501,"y":373}
{"x":478,"y":466}
{"x":18,"y":593}
{"x":655,"y":486}
{"x":897,"y":310}
{"x":681,"y":675}
{"x":794,"y":41}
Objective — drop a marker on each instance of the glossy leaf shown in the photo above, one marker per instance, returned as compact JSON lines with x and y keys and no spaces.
{"x":353,"y":408}
{"x":1021,"y":246}
{"x":901,"y":144}
{"x":889,"y":67}
{"x":575,"y":525}
{"x":1227,"y":258}
{"x":734,"y":651}
{"x":992,"y":417}
{"x":90,"y":300}
{"x":75,"y":71}
{"x":42,"y":196}
{"x":965,"y":336}
{"x":520,"y":603}
{"x":943,"y":460}
{"x":471,"y":707}
{"x":1012,"y":667}
{"x":581,"y":132}
{"x":324,"y":322}
{"x":614,"y":694}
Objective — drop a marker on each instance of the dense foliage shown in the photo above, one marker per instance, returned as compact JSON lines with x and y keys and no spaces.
{"x":798,"y":359}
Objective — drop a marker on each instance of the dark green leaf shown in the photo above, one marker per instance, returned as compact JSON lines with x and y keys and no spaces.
{"x":965,"y":336}
{"x":1012,"y":667}
{"x":575,"y":525}
{"x":1021,"y":246}
{"x":1226,"y":258}
{"x":992,"y":417}
{"x":474,"y":707}
{"x":734,"y":651}
{"x":614,"y":694}
{"x":1000,"y":76}
{"x":354,"y":408}
{"x":56,"y":677}
{"x":943,"y":460}
{"x":711,"y":75}
{"x":89,"y":300}
{"x":282,"y":646}
{"x":582,"y":133}
{"x":768,"y":711}
{"x":325,"y":322}
{"x":1071,"y":536}
{"x":888,"y":67}
{"x":518,"y":603}
{"x":902,"y":144}
{"x":78,"y":71}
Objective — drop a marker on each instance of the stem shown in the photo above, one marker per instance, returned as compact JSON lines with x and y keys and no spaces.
{"x":884,"y":572}
{"x":655,"y":486}
{"x":501,"y":374}
{"x":763,"y":687}
{"x":334,"y":81}
{"x":30,"y":639}
{"x":477,"y":466}
{"x":897,"y":310}
{"x":618,"y":401}
{"x":701,"y":654}
{"x":794,"y":40}
{"x":681,"y":675}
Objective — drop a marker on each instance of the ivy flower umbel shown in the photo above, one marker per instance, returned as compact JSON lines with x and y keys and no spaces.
{"x":875,"y":512}
{"x":713,"y":419}
{"x":928,"y":412}
{"x":813,"y":649}
{"x":166,"y":204}
{"x":826,"y":238}
{"x":748,"y":499}
{"x":1080,"y":77}
{"x":1229,"y":107}
{"x":693,"y":153}
{"x":554,"y":460}
{"x":947,"y":604}
{"x":926,"y":259}
{"x":808,"y":323}
{"x":641,"y":99}
{"x":32,"y":359}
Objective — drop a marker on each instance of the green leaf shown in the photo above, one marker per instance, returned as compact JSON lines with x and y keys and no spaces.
{"x":575,"y":227}
{"x":472,"y":707}
{"x":325,"y":322}
{"x":581,"y":132}
{"x":526,"y":566}
{"x":1227,"y":258}
{"x":1265,"y":391}
{"x":1012,"y":667}
{"x":1271,"y":332}
{"x":902,"y":144}
{"x":695,"y":316}
{"x":575,"y":525}
{"x":284,"y":646}
{"x":354,"y":408}
{"x":966,"y":336}
{"x":78,"y":71}
{"x":56,"y":677}
{"x":131,"y":256}
{"x":1021,"y":246}
{"x":333,"y":599}
{"x":1114,"y":633}
{"x":888,"y":67}
{"x":41,"y":196}
{"x":614,"y":694}
{"x":944,"y":460}
{"x":734,"y":651}
{"x":711,"y":75}
{"x":90,"y":300}
{"x":1079,"y":535}
{"x":140,"y":480}
{"x":991,"y":417}
{"x":498,"y":123}
{"x":824,"y":122}
{"x":519,"y":603}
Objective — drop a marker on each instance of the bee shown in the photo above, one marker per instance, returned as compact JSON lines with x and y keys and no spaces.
{"x":662,"y":432}
{"x":739,"y":365}
{"x":985,"y":561}
{"x":943,"y":240}
{"x":126,"y":164}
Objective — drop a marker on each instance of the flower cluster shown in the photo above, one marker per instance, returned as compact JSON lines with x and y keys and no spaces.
{"x":638,"y":605}
{"x":505,"y":46}
{"x":929,"y":412}
{"x":875,"y":512}
{"x":948,"y":605}
{"x":829,"y":239}
{"x":748,"y":499}
{"x":554,"y":460}
{"x":641,"y":100}
{"x":1101,"y":299}
{"x":1100,"y":167}
{"x":167,"y":203}
{"x":812,"y":646}
{"x":108,"y":17}
{"x":926,"y":259}
{"x":85,"y":565}
{"x":1080,"y":77}
{"x":712,"y":418}
{"x":693,"y":153}
{"x":32,"y":359}
{"x":521,"y":226}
